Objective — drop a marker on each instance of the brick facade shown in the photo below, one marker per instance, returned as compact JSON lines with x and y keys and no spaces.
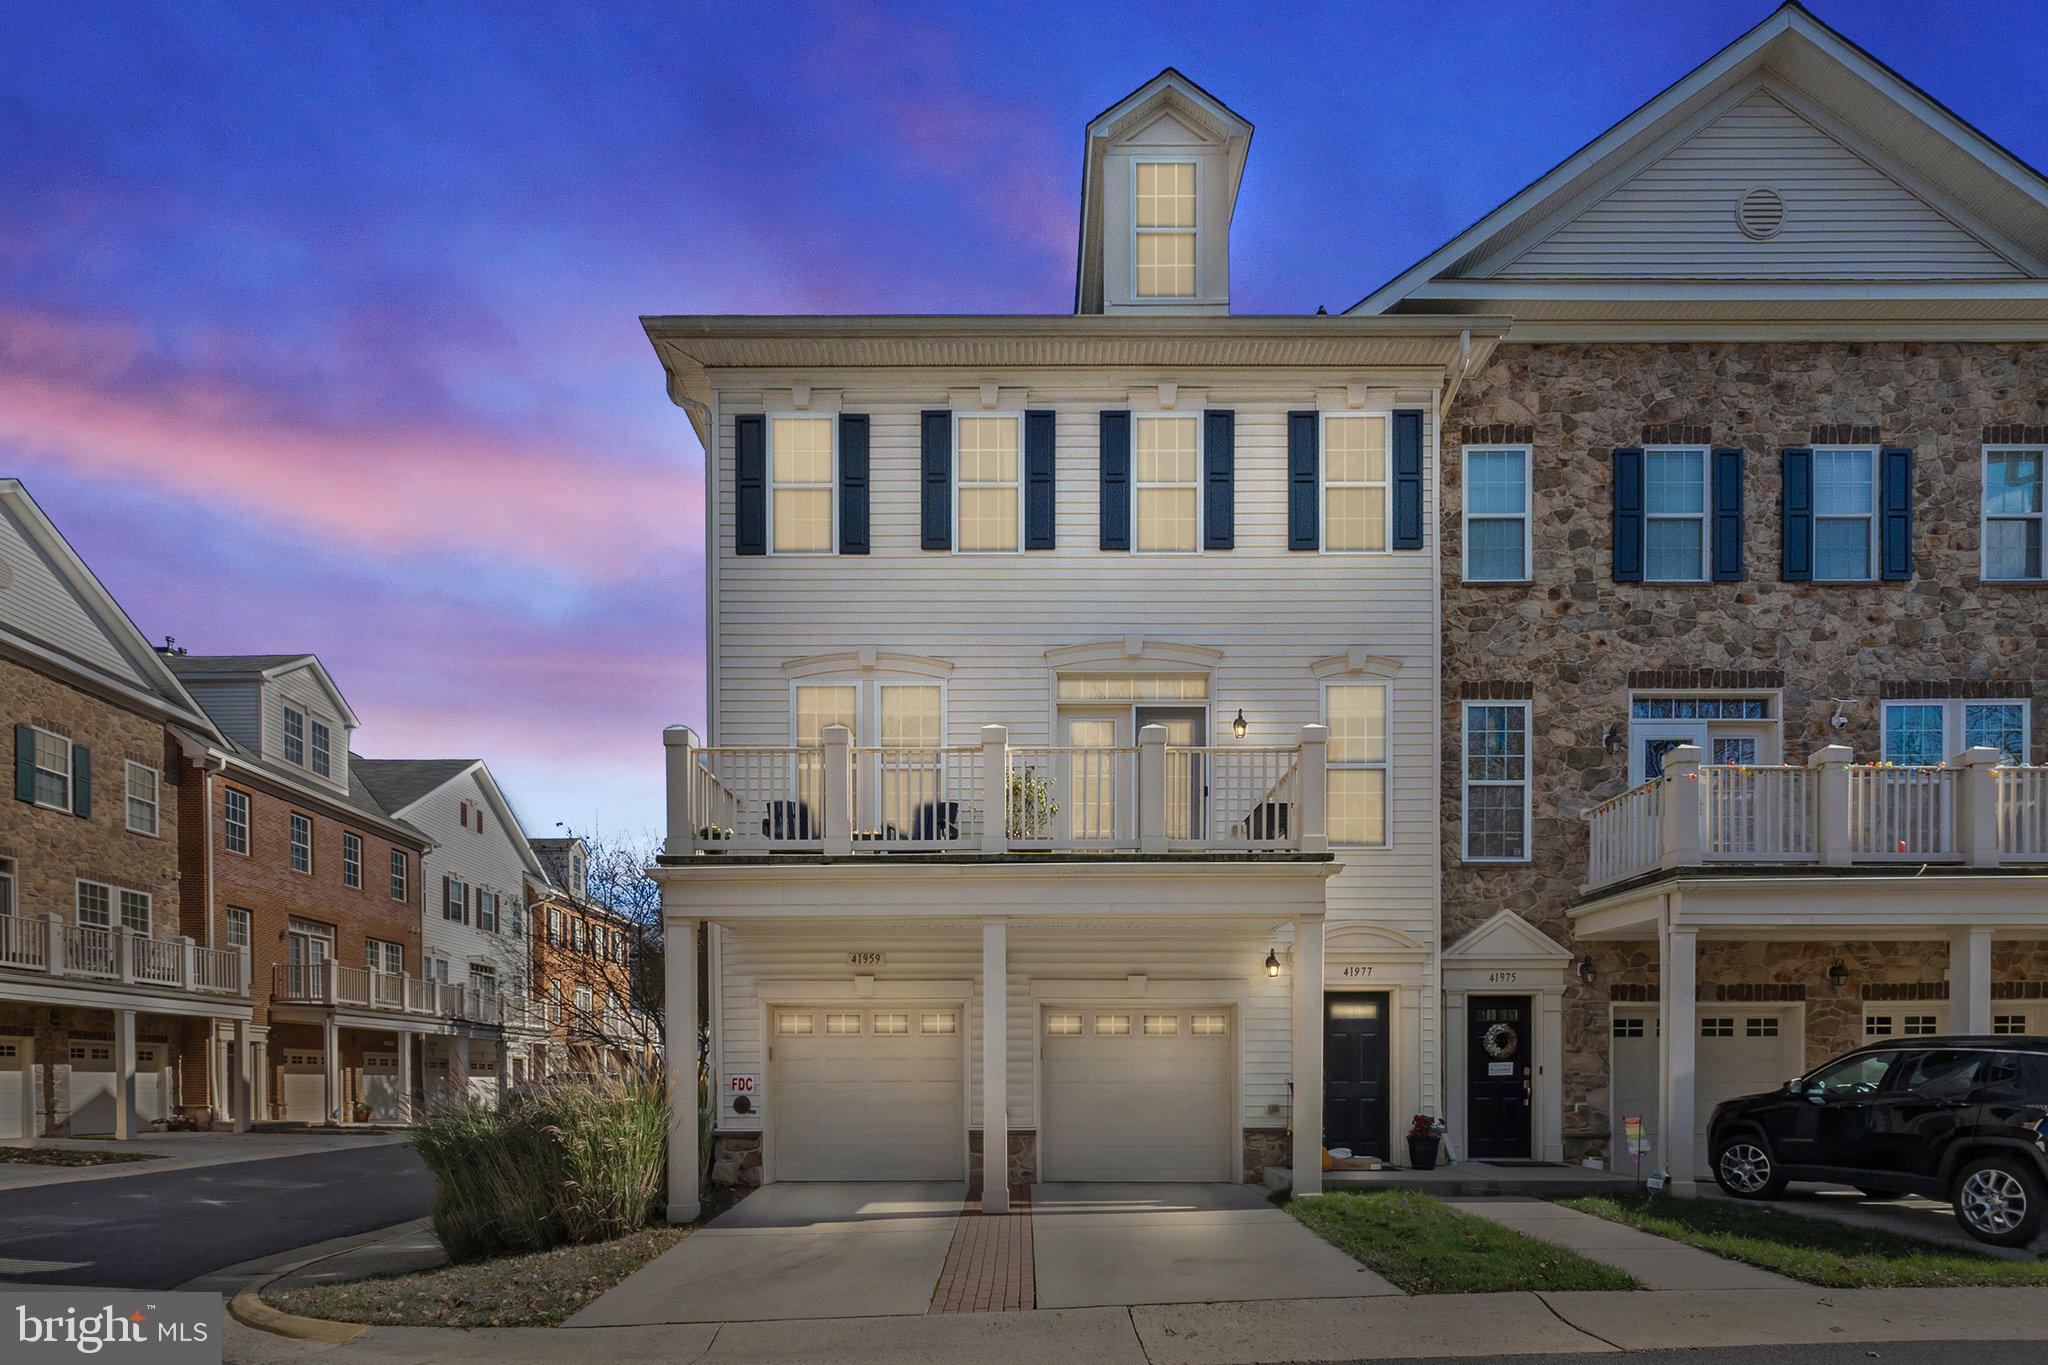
{"x":1574,"y":642}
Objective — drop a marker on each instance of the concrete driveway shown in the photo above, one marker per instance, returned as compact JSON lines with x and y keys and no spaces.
{"x":1100,"y":1245}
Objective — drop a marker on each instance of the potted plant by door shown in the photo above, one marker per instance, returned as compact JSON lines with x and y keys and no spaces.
{"x":1425,"y":1138}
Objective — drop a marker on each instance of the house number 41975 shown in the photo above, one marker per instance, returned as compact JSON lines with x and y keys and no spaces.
{"x":1503,"y":978}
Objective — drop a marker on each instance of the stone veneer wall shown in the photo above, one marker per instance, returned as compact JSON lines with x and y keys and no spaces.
{"x":1571,"y":639}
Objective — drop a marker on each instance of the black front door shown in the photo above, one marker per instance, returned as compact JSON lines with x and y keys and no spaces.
{"x":1499,"y":1071}
{"x":1355,"y":1088}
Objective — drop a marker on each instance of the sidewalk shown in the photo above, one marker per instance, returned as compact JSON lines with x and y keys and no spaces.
{"x":179,"y":1152}
{"x":1658,"y":1262}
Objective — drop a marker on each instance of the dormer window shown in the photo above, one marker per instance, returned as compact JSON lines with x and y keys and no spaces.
{"x":323,"y":760}
{"x":294,"y":736}
{"x":1164,"y":222}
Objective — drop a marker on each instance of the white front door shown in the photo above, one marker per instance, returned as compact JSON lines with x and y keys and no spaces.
{"x":866,"y":1093}
{"x":1135,"y":1092}
{"x":16,"y":1111}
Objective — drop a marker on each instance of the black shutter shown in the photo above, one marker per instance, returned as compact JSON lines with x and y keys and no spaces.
{"x":1895,"y":536}
{"x":853,"y":484}
{"x":1408,"y":479}
{"x":937,"y":443}
{"x":1040,"y":500}
{"x":81,"y":781}
{"x":750,"y":484}
{"x":1795,"y":501}
{"x":1219,"y":479}
{"x":1304,"y":461}
{"x":1727,"y":494}
{"x":1115,"y":479}
{"x":1628,"y":515}
{"x":24,"y":763}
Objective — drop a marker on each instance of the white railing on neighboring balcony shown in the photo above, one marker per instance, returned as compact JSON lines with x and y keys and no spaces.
{"x":1830,"y":813}
{"x":54,"y":947}
{"x":994,"y":798}
{"x":331,"y":983}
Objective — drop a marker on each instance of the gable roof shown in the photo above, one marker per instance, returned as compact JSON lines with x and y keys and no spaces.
{"x":109,"y":655}
{"x":399,"y":784}
{"x":205,"y":668}
{"x":1966,"y":184}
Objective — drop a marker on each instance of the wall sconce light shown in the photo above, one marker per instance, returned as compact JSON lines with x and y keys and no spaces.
{"x":1586,"y":969}
{"x":1837,"y":975}
{"x":1272,"y":962}
{"x":1238,"y":726}
{"x":1612,"y":739}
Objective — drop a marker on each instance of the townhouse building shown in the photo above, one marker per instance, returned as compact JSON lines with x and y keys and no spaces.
{"x":588,"y":975}
{"x":101,"y":979}
{"x":1589,"y":677}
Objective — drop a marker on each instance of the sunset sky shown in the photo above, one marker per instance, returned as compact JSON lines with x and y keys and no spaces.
{"x":318,"y":323}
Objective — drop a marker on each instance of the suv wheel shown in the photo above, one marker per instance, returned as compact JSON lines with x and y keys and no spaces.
{"x":2000,"y":1200}
{"x":1743,"y":1167}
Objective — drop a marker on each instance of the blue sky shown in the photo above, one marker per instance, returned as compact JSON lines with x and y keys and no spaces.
{"x":318,"y":324}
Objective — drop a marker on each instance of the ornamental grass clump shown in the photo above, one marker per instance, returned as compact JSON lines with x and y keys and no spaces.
{"x":578,"y":1161}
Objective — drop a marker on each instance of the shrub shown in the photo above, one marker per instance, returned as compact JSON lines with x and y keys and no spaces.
{"x":579,"y":1161}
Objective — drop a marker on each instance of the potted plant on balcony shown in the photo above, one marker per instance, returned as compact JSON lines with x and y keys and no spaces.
{"x":1425,"y":1139}
{"x":711,"y":834}
{"x":1031,"y":803}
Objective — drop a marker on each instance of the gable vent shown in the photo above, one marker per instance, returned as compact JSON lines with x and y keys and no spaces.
{"x":1761,"y":213}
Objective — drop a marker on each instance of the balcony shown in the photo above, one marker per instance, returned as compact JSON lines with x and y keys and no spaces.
{"x":329,"y":983}
{"x":1831,"y":813}
{"x":838,"y":800}
{"x":55,"y":948}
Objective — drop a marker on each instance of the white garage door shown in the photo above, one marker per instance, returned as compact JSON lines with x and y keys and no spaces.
{"x":483,"y":1074}
{"x":1632,"y":1087}
{"x":1907,"y":1019}
{"x":14,"y":1069}
{"x":1739,"y":1050}
{"x":92,"y":1088}
{"x":867,"y":1093}
{"x":2011,"y":1018}
{"x":380,"y":1086}
{"x":1132,"y":1093}
{"x":305,"y":1087}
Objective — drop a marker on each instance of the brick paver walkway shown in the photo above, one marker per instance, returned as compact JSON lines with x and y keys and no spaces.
{"x":988,"y":1266}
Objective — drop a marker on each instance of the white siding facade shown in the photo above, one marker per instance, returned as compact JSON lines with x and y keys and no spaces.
{"x":489,"y":859}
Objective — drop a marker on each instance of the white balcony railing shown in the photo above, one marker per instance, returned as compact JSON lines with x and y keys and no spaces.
{"x":331,"y":983}
{"x":993,"y":798}
{"x":52,"y":946}
{"x":1830,"y":813}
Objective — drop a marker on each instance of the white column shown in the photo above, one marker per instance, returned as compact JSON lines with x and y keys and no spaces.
{"x":680,"y":1003}
{"x":1677,"y":1011}
{"x":680,"y":745}
{"x":405,"y":1047}
{"x":1152,"y":789}
{"x":1977,"y":807}
{"x":31,"y":1102}
{"x":995,"y":1069}
{"x":241,"y":1085}
{"x":331,"y":1071}
{"x":1830,"y":766}
{"x":1969,"y":981}
{"x":1313,"y":833}
{"x":1548,"y":1115}
{"x":1682,"y":804}
{"x":504,"y":1069}
{"x":838,"y":793}
{"x":124,"y":1073}
{"x":995,"y":788}
{"x":1308,"y":1055}
{"x":1457,"y":1080}
{"x":458,"y":1067}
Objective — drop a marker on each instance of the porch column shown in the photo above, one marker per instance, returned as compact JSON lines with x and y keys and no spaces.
{"x":1677,"y":1010}
{"x":1457,"y":1079}
{"x":31,"y":1102}
{"x":995,"y":1070}
{"x":504,"y":1069}
{"x":241,"y":1090}
{"x":1969,"y":981}
{"x":405,"y":1047}
{"x":124,"y":1074}
{"x":458,"y":1067}
{"x":1308,"y":1055}
{"x":685,"y":1200}
{"x":259,"y":1077}
{"x":331,"y":1071}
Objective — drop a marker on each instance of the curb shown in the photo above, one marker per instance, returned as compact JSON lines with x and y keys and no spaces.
{"x":248,"y":1308}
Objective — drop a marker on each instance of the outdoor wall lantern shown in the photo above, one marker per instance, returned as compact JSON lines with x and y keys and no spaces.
{"x":1272,"y":962}
{"x":1238,"y":726}
{"x":1612,"y":739}
{"x":1837,"y":974}
{"x":1586,"y":969}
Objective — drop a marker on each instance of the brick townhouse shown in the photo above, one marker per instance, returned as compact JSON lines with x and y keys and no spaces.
{"x":584,"y":970}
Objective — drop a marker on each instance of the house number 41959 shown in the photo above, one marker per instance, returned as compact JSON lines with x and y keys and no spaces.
{"x":865,"y":959}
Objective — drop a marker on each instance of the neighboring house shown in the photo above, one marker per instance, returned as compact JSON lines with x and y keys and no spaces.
{"x":101,"y":984}
{"x":290,"y":858}
{"x":474,"y":880}
{"x":1075,"y":673}
{"x":1747,"y":502}
{"x":584,"y":966}
{"x":1080,"y":674}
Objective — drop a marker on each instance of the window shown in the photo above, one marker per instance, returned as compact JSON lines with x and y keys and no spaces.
{"x":455,"y":901}
{"x":1926,"y":733}
{"x":352,"y":860}
{"x":1063,"y":1025}
{"x":1674,"y":516}
{"x":144,"y":790}
{"x":1765,"y":1026}
{"x":240,"y":924}
{"x":1497,"y":515}
{"x":294,"y":736}
{"x":1939,"y":1075}
{"x":1852,"y":1075}
{"x":1164,"y":226}
{"x":1113,"y":1025}
{"x":380,"y":956}
{"x":989,"y":506}
{"x":400,"y":876}
{"x":302,"y":843}
{"x":1627,"y":1027}
{"x":96,"y":905}
{"x":913,"y":718}
{"x":1167,"y":476}
{"x":887,"y":1023}
{"x":577,"y":932}
{"x":53,"y":770}
{"x":1844,"y":514}
{"x":1354,"y":482}
{"x":1734,"y":751}
{"x":1918,"y":1026}
{"x":1209,"y":1025}
{"x":485,"y":979}
{"x":135,"y":911}
{"x":323,"y":754}
{"x":801,"y":504}
{"x":237,"y":820}
{"x":2013,"y":512}
{"x":1717,"y":1027}
{"x":842,"y":1025}
{"x":514,"y":913}
{"x":1161,"y":1025}
{"x":487,"y":910}
{"x":2008,"y":1024}
{"x":1878,"y":1026}
{"x":938,"y":1021}
{"x":1497,"y":782}
{"x":1357,"y":716}
{"x":437,"y":968}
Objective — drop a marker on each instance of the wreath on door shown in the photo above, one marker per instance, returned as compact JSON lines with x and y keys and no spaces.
{"x":1500,"y":1041}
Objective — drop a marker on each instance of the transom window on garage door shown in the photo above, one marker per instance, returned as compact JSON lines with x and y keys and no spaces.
{"x":1900,"y":1025}
{"x":1200,"y":1024}
{"x":801,"y":1023}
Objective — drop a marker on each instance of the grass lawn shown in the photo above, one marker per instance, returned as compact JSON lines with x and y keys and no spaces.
{"x":64,"y":1156}
{"x":1424,"y":1246}
{"x":1810,"y":1249}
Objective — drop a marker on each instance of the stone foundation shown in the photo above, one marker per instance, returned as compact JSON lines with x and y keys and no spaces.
{"x":736,"y":1159}
{"x":1023,"y":1156}
{"x":1265,"y":1147}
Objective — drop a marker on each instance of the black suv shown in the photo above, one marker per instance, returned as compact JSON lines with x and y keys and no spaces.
{"x":1963,"y":1119}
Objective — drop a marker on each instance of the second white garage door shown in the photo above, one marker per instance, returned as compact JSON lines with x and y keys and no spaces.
{"x":867,"y":1093}
{"x":1740,"y":1050}
{"x":1137,"y":1094}
{"x":16,"y":1106}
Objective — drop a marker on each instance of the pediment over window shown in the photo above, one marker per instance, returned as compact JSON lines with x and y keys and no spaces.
{"x":866,"y":661}
{"x":1361,"y":936}
{"x":1133,"y":653}
{"x":1358,"y":661}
